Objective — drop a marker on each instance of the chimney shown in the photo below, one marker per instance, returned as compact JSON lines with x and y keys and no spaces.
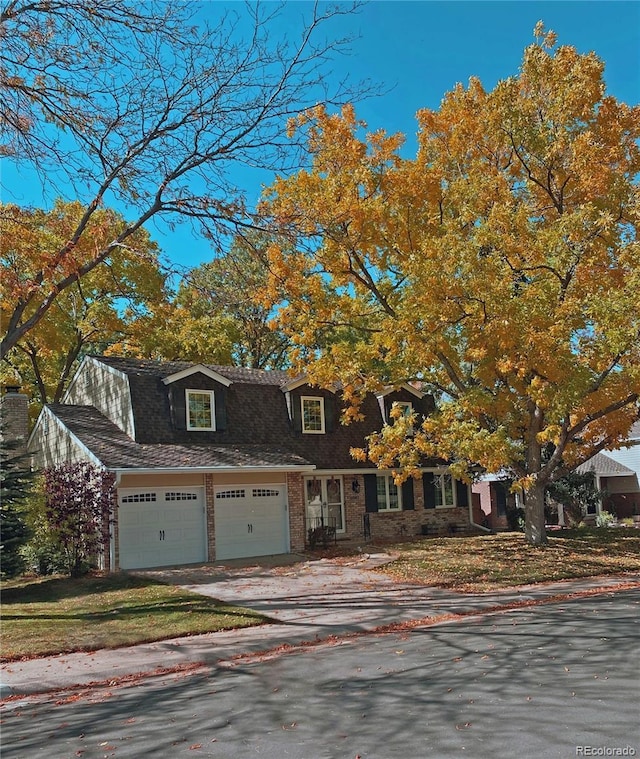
{"x":14,"y":416}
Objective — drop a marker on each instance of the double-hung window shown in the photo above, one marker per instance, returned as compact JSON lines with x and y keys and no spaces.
{"x":406,"y":409}
{"x":200,"y":410}
{"x":312,"y":415}
{"x":388,"y":493}
{"x":444,"y":491}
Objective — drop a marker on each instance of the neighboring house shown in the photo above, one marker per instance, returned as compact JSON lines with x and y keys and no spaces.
{"x":617,"y":473}
{"x":226,"y":462}
{"x":492,"y":497}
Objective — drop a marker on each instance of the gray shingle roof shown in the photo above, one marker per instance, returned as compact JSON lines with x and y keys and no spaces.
{"x":118,"y":451}
{"x":604,"y":466}
{"x":164,"y":369}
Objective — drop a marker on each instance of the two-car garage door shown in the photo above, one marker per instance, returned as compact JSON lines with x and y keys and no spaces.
{"x":164,"y":526}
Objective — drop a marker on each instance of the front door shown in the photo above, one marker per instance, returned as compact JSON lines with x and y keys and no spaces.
{"x":324,"y":498}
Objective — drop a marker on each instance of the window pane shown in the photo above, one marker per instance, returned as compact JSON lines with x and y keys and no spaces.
{"x":387,"y":491}
{"x":200,"y":411}
{"x":393,"y":494}
{"x":312,"y":414}
{"x":334,"y":494}
{"x":437,"y":481}
{"x":448,"y":489}
{"x":444,"y":489}
{"x":381,"y":489}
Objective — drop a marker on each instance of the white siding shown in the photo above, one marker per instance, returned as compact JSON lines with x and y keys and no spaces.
{"x":97,"y":384}
{"x":51,"y":444}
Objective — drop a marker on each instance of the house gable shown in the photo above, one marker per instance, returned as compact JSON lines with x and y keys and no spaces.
{"x":197,"y":369}
{"x":422,"y":404}
{"x":51,"y":442}
{"x":105,"y":387}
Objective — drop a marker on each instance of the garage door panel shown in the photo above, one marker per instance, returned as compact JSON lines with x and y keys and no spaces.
{"x":250,"y":521}
{"x":161,"y":527}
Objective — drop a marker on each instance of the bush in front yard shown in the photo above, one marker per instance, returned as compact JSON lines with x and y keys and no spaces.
{"x":79,"y":501}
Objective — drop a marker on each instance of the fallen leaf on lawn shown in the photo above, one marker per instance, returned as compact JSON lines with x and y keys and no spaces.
{"x":194,"y":746}
{"x":463,"y":727}
{"x":292,"y":726}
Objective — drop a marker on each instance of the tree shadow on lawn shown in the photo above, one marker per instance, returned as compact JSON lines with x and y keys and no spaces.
{"x":147,"y":610}
{"x":56,"y":588}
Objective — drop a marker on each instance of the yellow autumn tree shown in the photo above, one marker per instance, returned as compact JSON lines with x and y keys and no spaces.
{"x":500,"y":268}
{"x":89,"y":314}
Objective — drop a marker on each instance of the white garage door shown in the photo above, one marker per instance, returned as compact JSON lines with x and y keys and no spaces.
{"x":251,"y":520}
{"x":158,"y":527}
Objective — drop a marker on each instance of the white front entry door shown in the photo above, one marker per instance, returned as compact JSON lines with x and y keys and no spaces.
{"x":250,"y":520}
{"x":158,"y":527}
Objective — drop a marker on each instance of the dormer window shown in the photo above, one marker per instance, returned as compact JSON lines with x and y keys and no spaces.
{"x":200,"y":410}
{"x":406,"y":409}
{"x":312,"y":415}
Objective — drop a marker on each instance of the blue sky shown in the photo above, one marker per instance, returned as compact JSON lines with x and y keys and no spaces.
{"x":418,"y":51}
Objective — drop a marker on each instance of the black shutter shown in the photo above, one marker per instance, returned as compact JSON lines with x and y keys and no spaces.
{"x":221,"y":409}
{"x":429,"y":487}
{"x":296,"y":413}
{"x":178,"y":408}
{"x":462,"y":493}
{"x":329,"y":414}
{"x":408,"y":503}
{"x":370,"y":493}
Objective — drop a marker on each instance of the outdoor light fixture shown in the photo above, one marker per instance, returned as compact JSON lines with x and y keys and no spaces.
{"x":355,"y":486}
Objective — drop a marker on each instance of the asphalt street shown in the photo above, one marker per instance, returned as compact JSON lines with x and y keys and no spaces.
{"x":554,"y":681}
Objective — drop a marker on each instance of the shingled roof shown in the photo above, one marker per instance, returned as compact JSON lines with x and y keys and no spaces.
{"x":163,"y":369}
{"x":118,"y":451}
{"x":604,"y":466}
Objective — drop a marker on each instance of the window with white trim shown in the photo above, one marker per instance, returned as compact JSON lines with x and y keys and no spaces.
{"x":230,"y":494}
{"x":312,"y":415}
{"x":388,"y":493}
{"x":200,"y":410}
{"x":444,"y":491}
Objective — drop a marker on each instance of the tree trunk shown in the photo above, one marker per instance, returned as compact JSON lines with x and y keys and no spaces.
{"x":534,"y":529}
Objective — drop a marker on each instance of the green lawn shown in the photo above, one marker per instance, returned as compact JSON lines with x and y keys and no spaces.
{"x":59,"y":615}
{"x":497,"y":561}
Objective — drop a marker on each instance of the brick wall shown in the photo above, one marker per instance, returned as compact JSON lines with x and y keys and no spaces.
{"x":211,"y":527}
{"x":391,"y":525}
{"x":14,"y":411}
{"x":295,"y":491}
